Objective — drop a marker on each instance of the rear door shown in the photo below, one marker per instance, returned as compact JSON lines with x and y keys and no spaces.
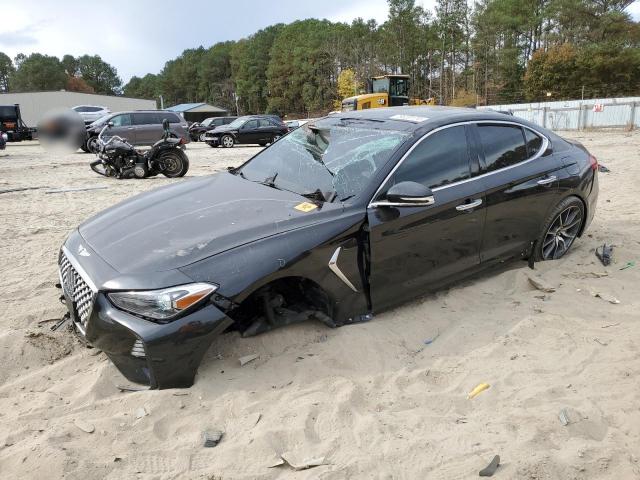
{"x":148,"y":127}
{"x":521,"y":178}
{"x":266,"y":130}
{"x":416,"y":248}
{"x":122,"y":127}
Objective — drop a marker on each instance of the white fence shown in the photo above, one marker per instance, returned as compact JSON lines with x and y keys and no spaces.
{"x":579,"y":114}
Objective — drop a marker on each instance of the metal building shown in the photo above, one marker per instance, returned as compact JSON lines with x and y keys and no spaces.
{"x":196,"y":112}
{"x":33,"y":105}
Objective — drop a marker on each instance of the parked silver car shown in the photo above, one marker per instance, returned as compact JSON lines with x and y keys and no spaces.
{"x":139,"y":127}
{"x":91,"y":113}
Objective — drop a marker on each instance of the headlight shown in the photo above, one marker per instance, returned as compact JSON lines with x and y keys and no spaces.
{"x":162,"y":304}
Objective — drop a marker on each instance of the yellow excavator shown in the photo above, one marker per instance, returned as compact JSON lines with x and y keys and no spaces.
{"x":385,"y":91}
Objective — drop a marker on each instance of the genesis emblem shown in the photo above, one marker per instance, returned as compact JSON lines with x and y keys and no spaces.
{"x":83,"y":252}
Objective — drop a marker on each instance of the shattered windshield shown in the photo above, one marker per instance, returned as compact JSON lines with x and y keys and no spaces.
{"x":330,"y":159}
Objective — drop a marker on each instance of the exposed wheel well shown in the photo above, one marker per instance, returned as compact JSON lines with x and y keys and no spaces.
{"x":281,"y":302}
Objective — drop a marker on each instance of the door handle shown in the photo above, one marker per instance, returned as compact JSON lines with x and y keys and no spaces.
{"x":469,"y":206}
{"x":548,"y":180}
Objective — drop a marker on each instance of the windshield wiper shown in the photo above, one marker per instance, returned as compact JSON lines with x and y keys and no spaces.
{"x":270,"y":181}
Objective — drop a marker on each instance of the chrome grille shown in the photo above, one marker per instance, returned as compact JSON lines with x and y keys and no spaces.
{"x":77,"y":289}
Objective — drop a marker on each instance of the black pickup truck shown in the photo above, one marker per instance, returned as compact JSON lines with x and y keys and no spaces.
{"x":12,"y":125}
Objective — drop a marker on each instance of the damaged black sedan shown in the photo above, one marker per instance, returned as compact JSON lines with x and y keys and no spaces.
{"x":346,"y":216}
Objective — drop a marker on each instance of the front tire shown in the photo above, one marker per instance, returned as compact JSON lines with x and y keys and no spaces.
{"x":560,"y":230}
{"x":227,"y":141}
{"x":92,"y":144}
{"x":176,"y":163}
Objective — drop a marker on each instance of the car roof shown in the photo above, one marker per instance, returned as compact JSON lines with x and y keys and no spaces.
{"x":411,"y":118}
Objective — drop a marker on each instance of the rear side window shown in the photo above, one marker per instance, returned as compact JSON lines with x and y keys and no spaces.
{"x":534,"y":142}
{"x":263,"y":122}
{"x":440,"y":159}
{"x":172,"y":117}
{"x":144,"y":118}
{"x":503,"y":146}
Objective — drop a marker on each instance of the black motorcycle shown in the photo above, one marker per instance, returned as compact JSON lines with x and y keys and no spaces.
{"x":118,"y":158}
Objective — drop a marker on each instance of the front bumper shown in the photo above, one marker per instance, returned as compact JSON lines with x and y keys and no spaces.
{"x":158,"y":355}
{"x":212,"y":140}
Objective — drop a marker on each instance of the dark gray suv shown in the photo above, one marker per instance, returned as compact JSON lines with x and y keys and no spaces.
{"x":139,"y":127}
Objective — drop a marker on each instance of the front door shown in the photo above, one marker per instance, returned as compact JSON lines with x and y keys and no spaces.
{"x":415,"y":248}
{"x":521,"y":178}
{"x":122,"y":127}
{"x":249,"y":132}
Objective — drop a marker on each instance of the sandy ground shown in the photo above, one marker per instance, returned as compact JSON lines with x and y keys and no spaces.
{"x":374,"y":399}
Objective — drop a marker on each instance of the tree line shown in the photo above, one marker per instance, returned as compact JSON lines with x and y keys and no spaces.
{"x":491,"y":52}
{"x":37,"y":72}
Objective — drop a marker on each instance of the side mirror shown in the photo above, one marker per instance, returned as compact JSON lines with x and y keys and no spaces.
{"x":110,"y":124}
{"x":410,"y":194}
{"x":165,"y":124}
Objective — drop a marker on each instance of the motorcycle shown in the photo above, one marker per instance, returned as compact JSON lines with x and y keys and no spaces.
{"x":118,"y":158}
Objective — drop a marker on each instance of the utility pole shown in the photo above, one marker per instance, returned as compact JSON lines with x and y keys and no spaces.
{"x":161,"y":103}
{"x":582,"y":92}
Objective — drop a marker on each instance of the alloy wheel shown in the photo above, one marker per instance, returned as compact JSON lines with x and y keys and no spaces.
{"x":275,"y":138}
{"x":227,"y":141}
{"x":562,"y":232}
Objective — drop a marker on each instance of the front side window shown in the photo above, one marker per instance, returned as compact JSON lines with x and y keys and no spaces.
{"x":440,"y":159}
{"x":330,"y":159}
{"x":503,"y":146}
{"x":265,"y":123}
{"x":123,"y":120}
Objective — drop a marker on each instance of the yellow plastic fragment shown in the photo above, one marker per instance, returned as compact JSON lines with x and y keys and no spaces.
{"x":479,"y":389}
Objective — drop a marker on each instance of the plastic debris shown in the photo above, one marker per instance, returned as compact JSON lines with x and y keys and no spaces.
{"x":628,"y":265}
{"x":246,"y":359}
{"x":300,"y":464}
{"x":564,"y":417}
{"x":606,"y":297}
{"x":603,"y":169}
{"x":539,"y":284}
{"x":605,"y":254}
{"x":490,"y":469}
{"x":141,"y":412}
{"x":479,"y":389}
{"x":211,"y":439}
{"x":84,"y":426}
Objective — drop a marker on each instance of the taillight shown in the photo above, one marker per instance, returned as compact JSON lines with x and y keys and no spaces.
{"x":593,"y":161}
{"x":181,"y":142}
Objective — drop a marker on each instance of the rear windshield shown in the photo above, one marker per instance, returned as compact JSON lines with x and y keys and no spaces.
{"x":7,"y":112}
{"x":330,"y":159}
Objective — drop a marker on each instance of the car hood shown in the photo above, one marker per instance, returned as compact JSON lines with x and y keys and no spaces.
{"x":179,"y":224}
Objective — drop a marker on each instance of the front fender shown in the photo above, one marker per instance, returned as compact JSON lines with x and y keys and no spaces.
{"x":304,"y":252}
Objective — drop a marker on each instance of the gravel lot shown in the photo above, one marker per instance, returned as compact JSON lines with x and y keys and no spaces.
{"x":373,"y":399}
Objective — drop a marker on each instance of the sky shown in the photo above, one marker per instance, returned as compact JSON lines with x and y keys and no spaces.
{"x":138,"y":37}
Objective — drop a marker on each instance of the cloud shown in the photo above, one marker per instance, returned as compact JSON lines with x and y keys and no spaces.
{"x":16,"y":38}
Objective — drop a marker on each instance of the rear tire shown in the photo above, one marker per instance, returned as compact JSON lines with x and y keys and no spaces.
{"x":176,"y":163}
{"x":227,"y":141}
{"x":275,"y":138}
{"x":84,"y":147}
{"x":560,"y":230}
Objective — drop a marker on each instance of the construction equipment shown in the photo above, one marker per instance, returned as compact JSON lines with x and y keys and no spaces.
{"x":12,"y":125}
{"x":385,"y":91}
